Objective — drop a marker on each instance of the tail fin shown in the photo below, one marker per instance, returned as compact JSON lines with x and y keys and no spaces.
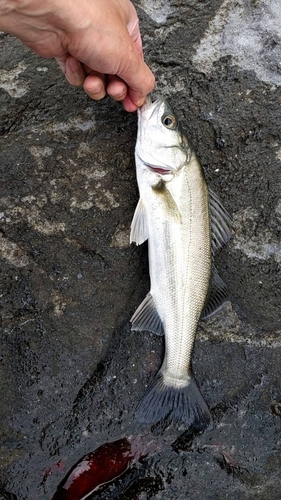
{"x":185,"y":404}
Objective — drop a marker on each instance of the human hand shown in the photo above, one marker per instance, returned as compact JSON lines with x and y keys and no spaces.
{"x":97,"y":43}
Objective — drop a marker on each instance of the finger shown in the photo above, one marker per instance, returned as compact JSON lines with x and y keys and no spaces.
{"x":129,"y":105}
{"x":134,"y":31}
{"x":116,"y":88}
{"x":95,"y":86}
{"x":74,"y":72}
{"x":138,"y":43}
{"x":72,"y":69}
{"x":141,"y":80}
{"x":134,"y":72}
{"x":139,"y":88}
{"x":61,"y":63}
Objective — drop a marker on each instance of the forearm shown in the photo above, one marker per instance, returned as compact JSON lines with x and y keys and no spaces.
{"x":13,"y":12}
{"x":41,"y":25}
{"x":9,"y":9}
{"x":16,"y":16}
{"x":90,"y":39}
{"x":6,"y":7}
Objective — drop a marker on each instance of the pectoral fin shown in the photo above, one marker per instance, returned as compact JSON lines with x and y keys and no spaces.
{"x":216,"y":296}
{"x":170,"y":207}
{"x":139,"y":232}
{"x":221,"y":223}
{"x":147,"y":318}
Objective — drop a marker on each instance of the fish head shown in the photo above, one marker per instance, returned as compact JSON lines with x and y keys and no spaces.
{"x":161,"y":145}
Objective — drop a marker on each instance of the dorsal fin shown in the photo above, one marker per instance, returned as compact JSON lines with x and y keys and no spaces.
{"x":221,"y":223}
{"x":216,"y":296}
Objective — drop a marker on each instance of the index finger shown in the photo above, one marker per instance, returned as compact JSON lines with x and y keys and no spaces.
{"x":137,"y":75}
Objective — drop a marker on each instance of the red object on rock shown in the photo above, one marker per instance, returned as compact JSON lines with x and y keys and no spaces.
{"x":104,"y":464}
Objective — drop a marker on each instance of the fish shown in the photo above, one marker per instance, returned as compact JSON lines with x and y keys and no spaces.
{"x":185,"y":224}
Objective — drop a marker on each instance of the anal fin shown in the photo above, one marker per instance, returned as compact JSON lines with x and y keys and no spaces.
{"x":147,"y":318}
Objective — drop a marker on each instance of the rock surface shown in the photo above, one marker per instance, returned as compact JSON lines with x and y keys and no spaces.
{"x":71,"y":370}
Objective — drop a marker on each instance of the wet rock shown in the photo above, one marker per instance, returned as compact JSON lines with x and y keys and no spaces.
{"x":71,"y":370}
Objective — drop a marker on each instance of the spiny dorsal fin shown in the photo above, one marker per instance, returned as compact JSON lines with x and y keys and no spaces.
{"x":221,"y":223}
{"x":139,"y":232}
{"x":216,"y":296}
{"x":147,"y":318}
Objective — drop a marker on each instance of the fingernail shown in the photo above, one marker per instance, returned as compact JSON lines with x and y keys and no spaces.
{"x":139,"y":102}
{"x":73,"y":64}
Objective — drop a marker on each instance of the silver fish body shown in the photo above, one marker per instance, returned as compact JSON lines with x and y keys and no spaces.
{"x":177,"y":215}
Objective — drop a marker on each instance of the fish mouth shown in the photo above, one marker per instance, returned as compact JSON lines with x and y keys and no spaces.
{"x":148,"y":108}
{"x":158,"y":169}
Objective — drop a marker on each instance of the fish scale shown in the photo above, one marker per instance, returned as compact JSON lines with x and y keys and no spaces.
{"x":182,"y":270}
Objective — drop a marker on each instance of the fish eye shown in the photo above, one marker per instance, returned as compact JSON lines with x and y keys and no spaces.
{"x":169,"y":121}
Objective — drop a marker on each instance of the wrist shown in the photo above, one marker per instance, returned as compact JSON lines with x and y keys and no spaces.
{"x":11,"y":12}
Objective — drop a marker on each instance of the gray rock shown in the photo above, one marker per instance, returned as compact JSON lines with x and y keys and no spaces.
{"x":71,"y":370}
